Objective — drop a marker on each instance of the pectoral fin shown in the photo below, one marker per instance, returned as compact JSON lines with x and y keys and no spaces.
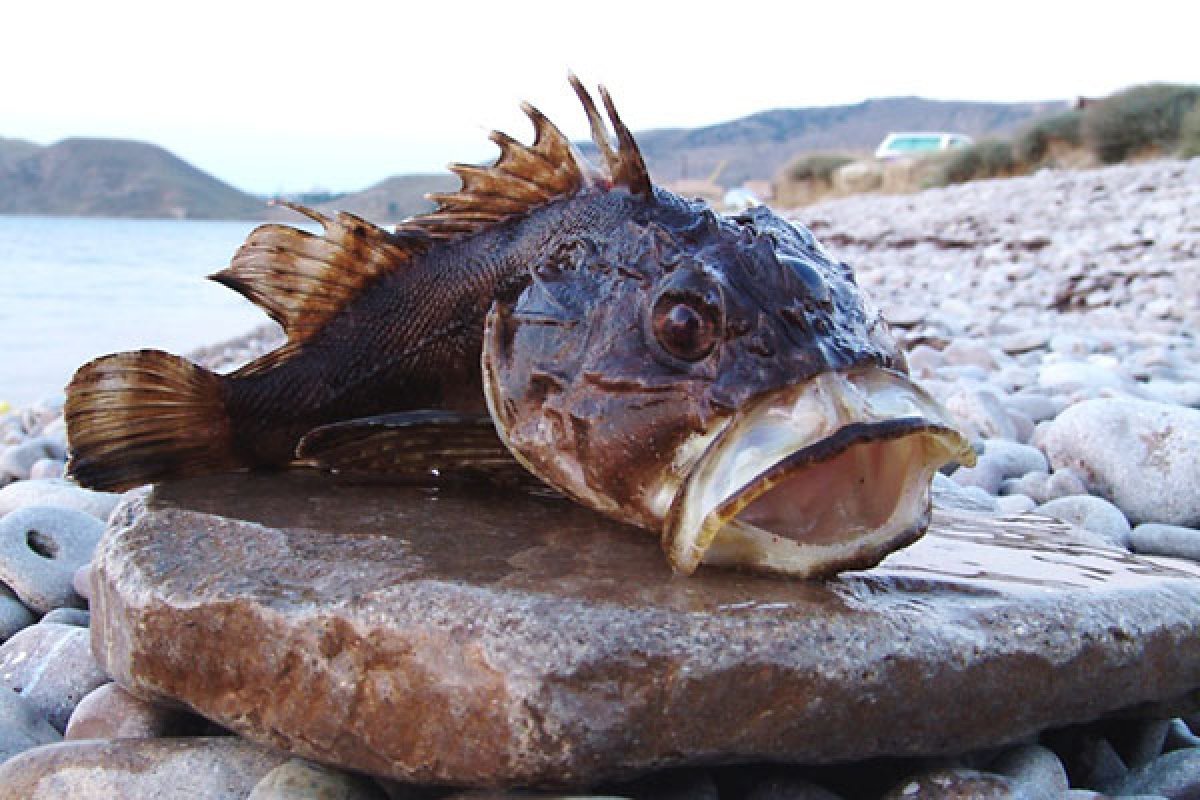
{"x":415,"y":446}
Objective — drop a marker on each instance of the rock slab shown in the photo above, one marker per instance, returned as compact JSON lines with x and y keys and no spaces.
{"x":457,"y":637}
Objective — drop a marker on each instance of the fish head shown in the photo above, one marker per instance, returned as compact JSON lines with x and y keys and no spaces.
{"x":722,"y":381}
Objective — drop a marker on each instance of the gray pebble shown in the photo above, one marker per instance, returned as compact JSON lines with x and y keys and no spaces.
{"x":1043,"y":488}
{"x":948,"y":494}
{"x":1024,"y":341}
{"x":302,"y":780}
{"x":21,"y":728}
{"x":1179,"y":736}
{"x":1072,"y":374}
{"x":1038,"y":407}
{"x":1091,"y":513}
{"x":1173,"y":775}
{"x":40,"y":549}
{"x":17,"y":461}
{"x":1014,"y":504}
{"x":1143,"y":456}
{"x":1036,"y":768}
{"x":52,"y":667}
{"x":14,"y":615}
{"x":1014,"y":459}
{"x":57,"y":493}
{"x":47,"y":469}
{"x":81,"y":582}
{"x":987,"y":474}
{"x":1139,"y":742}
{"x":1155,"y":539}
{"x":69,"y":616}
{"x":979,"y":411}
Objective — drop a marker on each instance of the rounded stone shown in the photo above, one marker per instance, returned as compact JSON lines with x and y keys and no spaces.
{"x":979,"y":410}
{"x":1091,"y":513}
{"x":14,"y":615}
{"x":40,"y":549}
{"x":213,"y":768}
{"x":81,"y":582}
{"x":1072,"y":374}
{"x":1173,"y":775}
{"x":60,"y":493}
{"x":1013,"y":458}
{"x":69,"y":616}
{"x":955,"y":784}
{"x":1143,"y":456}
{"x":1152,"y":538}
{"x":18,"y":460}
{"x":46,"y":469}
{"x":302,"y":780}
{"x":1015,"y":504}
{"x":1037,"y":770}
{"x":21,"y":727}
{"x":1043,"y":488}
{"x":110,"y":712}
{"x":52,"y":667}
{"x":987,"y":474}
{"x":1038,"y":407}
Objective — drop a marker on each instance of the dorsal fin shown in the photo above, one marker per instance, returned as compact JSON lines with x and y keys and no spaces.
{"x":625,"y":165}
{"x":523,"y":178}
{"x":301,"y":279}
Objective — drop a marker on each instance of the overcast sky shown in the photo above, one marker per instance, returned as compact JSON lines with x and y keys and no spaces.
{"x":339,"y":94}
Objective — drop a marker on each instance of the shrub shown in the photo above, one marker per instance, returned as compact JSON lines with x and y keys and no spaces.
{"x":816,"y":166}
{"x":989,"y":158}
{"x":1035,"y":139}
{"x":1189,"y":134}
{"x":1136,"y":118}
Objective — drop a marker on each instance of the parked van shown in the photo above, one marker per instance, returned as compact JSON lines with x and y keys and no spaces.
{"x":895,"y":145}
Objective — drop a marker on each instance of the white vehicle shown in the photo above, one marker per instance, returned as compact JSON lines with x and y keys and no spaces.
{"x":895,"y":145}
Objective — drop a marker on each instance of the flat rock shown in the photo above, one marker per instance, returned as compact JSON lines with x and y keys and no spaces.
{"x":497,"y":639}
{"x":21,"y":727}
{"x":51,"y":666}
{"x":216,"y":768}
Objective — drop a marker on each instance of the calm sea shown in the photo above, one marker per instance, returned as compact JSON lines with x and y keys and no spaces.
{"x":73,"y":289}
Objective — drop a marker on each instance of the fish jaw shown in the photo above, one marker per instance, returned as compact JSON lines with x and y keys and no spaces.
{"x":827,"y":475}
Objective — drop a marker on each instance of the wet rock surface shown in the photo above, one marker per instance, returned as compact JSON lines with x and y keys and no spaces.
{"x":397,"y":632}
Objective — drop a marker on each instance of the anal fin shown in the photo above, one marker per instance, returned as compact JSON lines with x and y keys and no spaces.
{"x":415,"y":447}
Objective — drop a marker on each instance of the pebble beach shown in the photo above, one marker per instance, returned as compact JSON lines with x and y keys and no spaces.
{"x":1054,"y":315}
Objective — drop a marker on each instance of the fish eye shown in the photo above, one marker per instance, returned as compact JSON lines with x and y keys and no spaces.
{"x":686,"y":320}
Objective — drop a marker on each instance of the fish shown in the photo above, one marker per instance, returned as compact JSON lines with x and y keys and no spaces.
{"x":721,"y":381}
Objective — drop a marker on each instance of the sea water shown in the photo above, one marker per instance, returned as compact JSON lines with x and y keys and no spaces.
{"x":72,"y":289}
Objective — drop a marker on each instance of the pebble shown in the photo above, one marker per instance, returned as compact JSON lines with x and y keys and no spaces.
{"x":956,"y":784}
{"x":213,"y":768}
{"x":1175,"y":775}
{"x":1037,"y":407}
{"x":948,"y":494}
{"x":1012,"y":504}
{"x":81,"y":582}
{"x":110,"y":712}
{"x":16,"y":462}
{"x":52,"y":667}
{"x":1143,"y":456}
{"x":302,"y":780}
{"x":1152,"y":538}
{"x":1014,"y":459}
{"x":1043,"y":487}
{"x":61,"y":493}
{"x":21,"y":727}
{"x":14,"y":615}
{"x":40,"y":549}
{"x":69,"y":616}
{"x":47,"y":469}
{"x":980,"y":412}
{"x":1037,"y":769}
{"x":1091,"y":513}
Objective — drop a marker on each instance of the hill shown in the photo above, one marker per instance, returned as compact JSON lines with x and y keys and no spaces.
{"x":113,"y":177}
{"x":389,"y":201}
{"x":757,"y":146}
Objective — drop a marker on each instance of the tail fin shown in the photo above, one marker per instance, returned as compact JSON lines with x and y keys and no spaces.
{"x":143,"y":416}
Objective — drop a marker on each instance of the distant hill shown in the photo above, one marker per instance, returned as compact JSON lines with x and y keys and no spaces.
{"x":113,"y":177}
{"x":757,"y":146}
{"x":389,"y":201}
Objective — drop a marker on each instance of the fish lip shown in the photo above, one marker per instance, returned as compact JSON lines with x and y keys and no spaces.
{"x":877,"y":413}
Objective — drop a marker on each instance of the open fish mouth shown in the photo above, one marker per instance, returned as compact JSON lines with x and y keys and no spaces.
{"x":824,"y":476}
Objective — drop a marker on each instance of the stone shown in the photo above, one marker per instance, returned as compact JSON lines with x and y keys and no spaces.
{"x":213,"y":768}
{"x":301,"y":780}
{"x":21,"y":727}
{"x":1179,"y":736}
{"x":980,"y":412}
{"x":52,"y":667}
{"x":81,"y":581}
{"x":17,"y":461}
{"x":1014,"y":459}
{"x":403,"y":633}
{"x":40,"y":549}
{"x":1035,"y":769}
{"x":987,"y":474}
{"x":69,"y":616}
{"x":57,"y":493}
{"x":1024,"y":341}
{"x":1068,"y":374}
{"x":47,"y":469}
{"x":1154,"y":539}
{"x":948,"y":494}
{"x":1015,"y":504}
{"x":956,"y":784}
{"x":1037,"y":407}
{"x":1091,"y":513}
{"x":13,"y":614}
{"x":1142,"y":456}
{"x":970,"y":352}
{"x":1089,"y":758}
{"x":1138,"y":742}
{"x":110,"y":712}
{"x":1175,"y":775}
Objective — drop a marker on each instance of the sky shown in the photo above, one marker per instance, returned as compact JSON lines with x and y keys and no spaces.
{"x":286,"y":97}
